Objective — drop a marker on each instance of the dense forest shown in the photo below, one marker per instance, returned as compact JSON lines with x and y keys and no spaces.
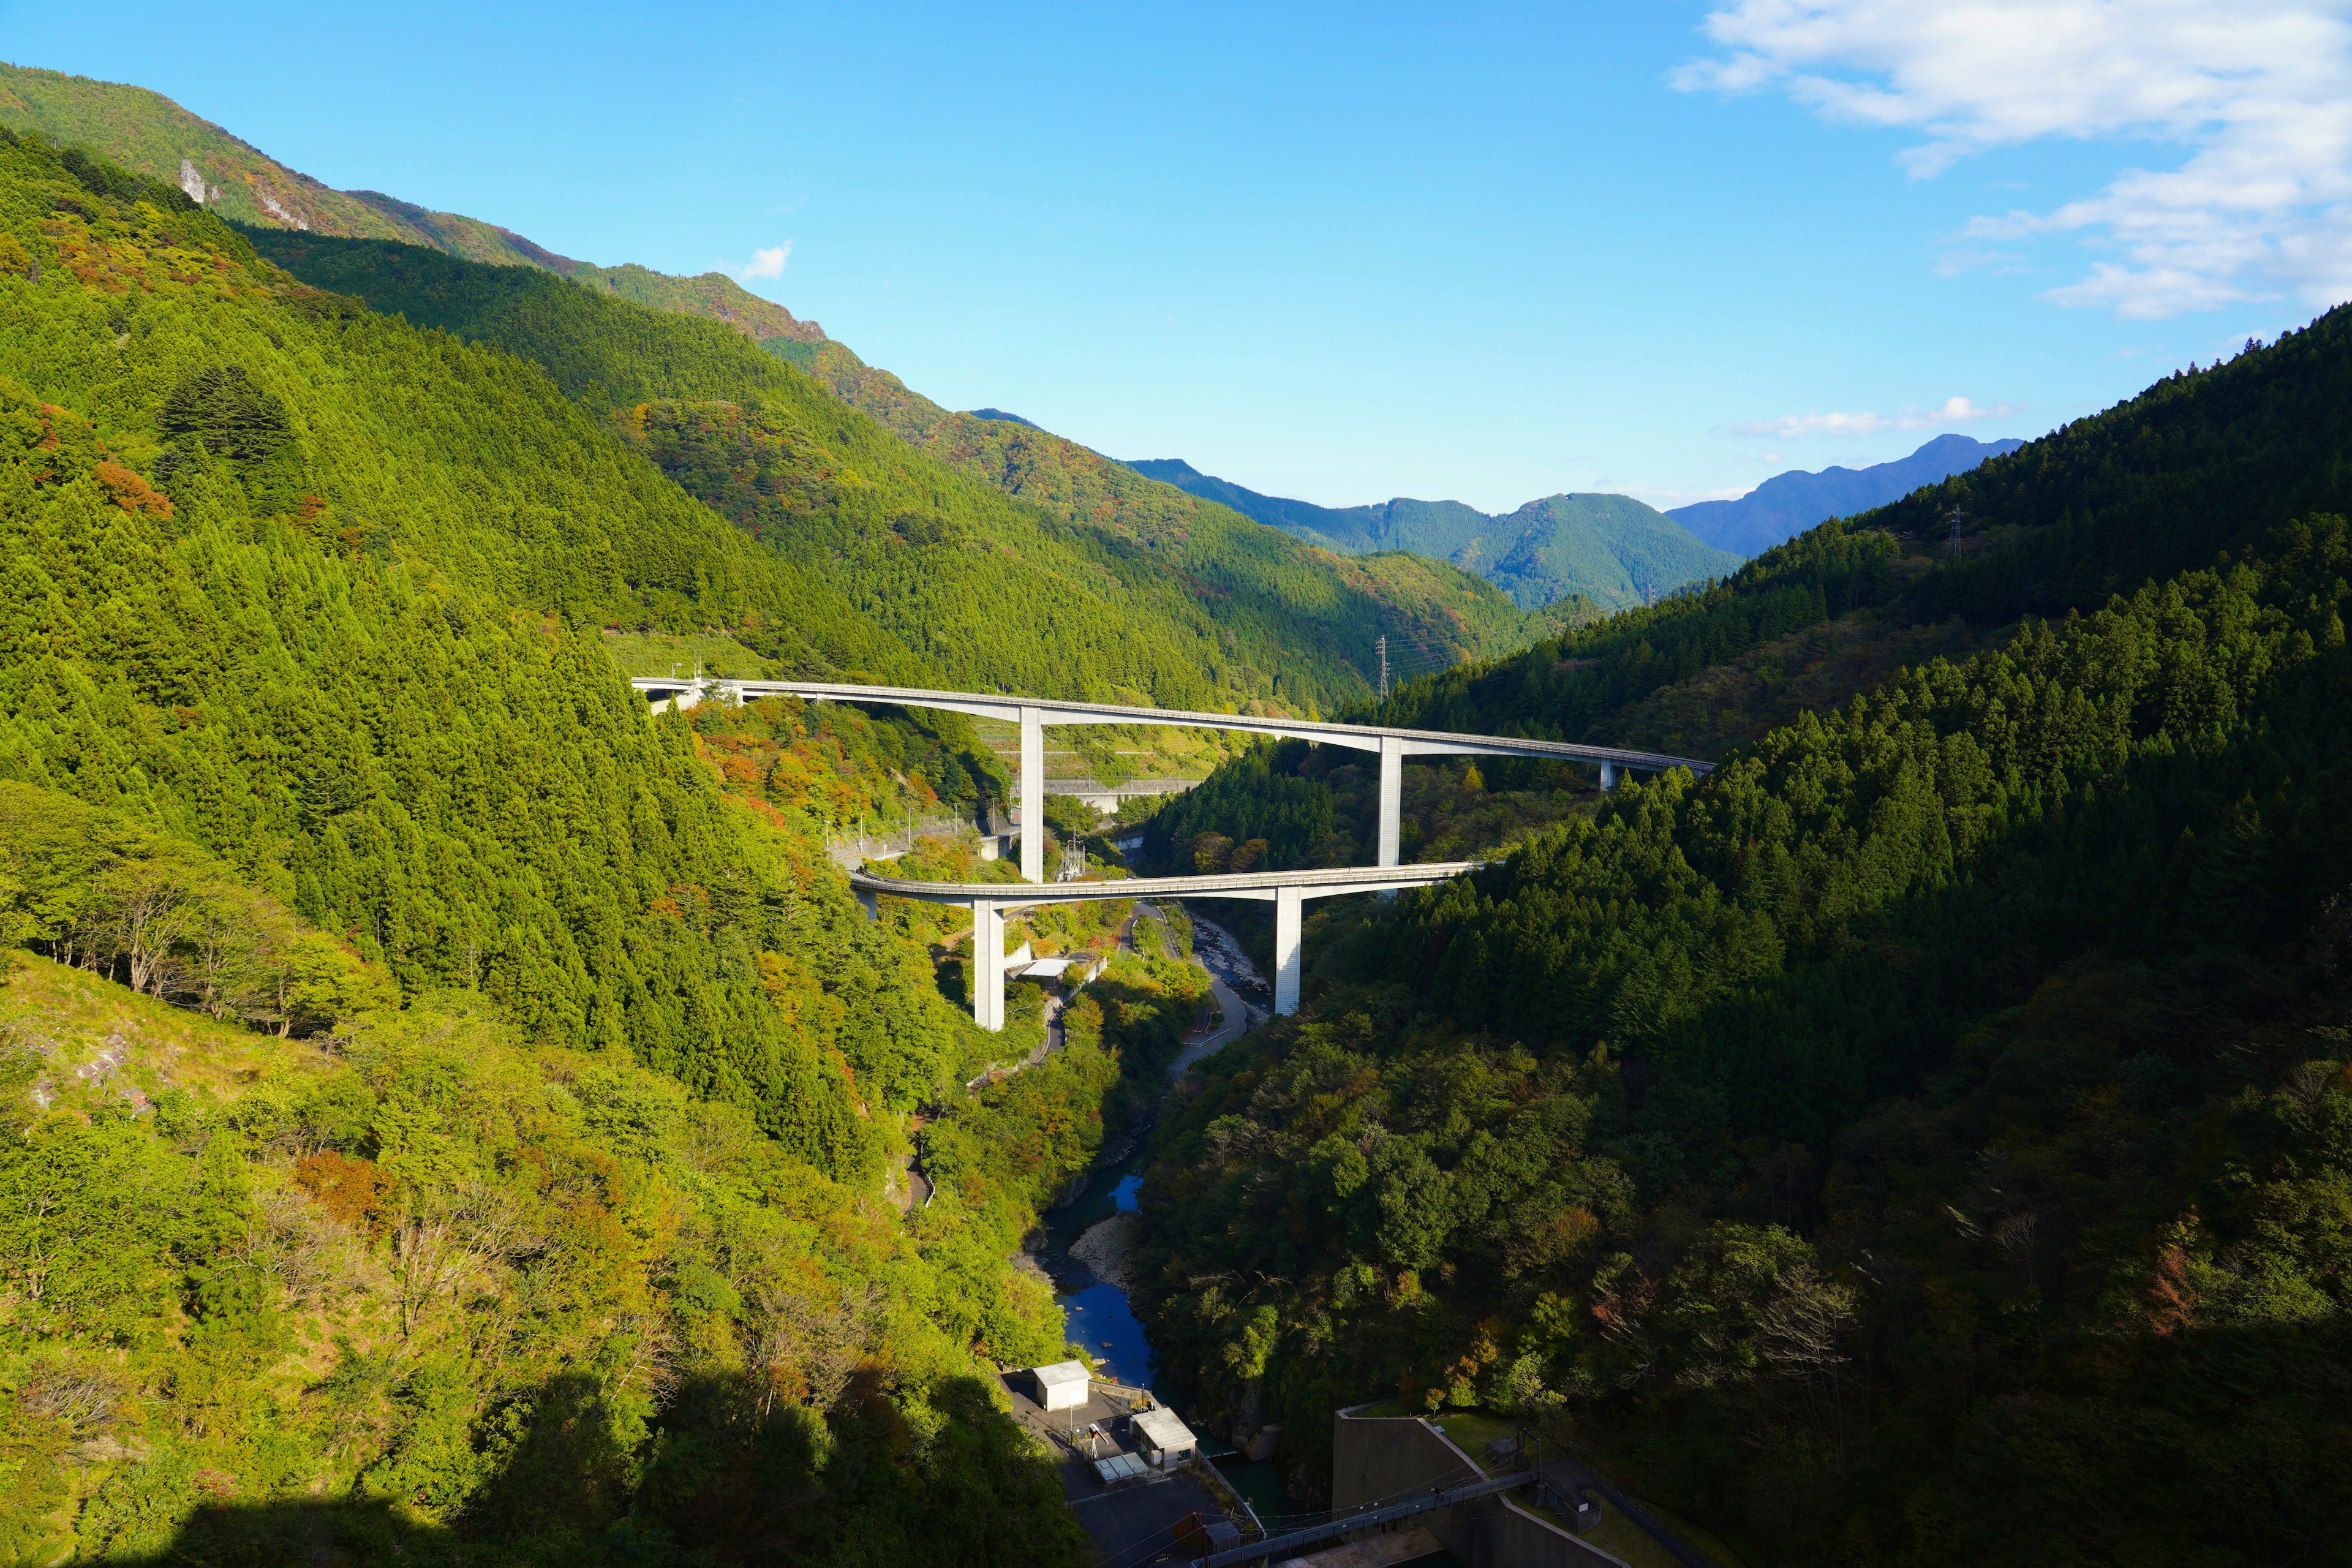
{"x":449,"y":1116}
{"x":1929,"y":1138}
{"x":984,"y":587}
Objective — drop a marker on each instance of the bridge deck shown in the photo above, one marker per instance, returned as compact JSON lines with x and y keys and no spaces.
{"x":1325,"y":881}
{"x":1059,"y":711}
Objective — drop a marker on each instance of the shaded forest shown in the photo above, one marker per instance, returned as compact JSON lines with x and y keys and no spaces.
{"x":1924,"y":1139}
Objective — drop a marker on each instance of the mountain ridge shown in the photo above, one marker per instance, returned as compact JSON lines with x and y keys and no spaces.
{"x":1611,"y":550}
{"x":1787,"y":504}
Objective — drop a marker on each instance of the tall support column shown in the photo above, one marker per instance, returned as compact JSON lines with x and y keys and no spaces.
{"x":988,"y":966}
{"x":1392,"y":797}
{"x":1289,"y":949}
{"x":1608,"y":776}
{"x":1033,"y":795}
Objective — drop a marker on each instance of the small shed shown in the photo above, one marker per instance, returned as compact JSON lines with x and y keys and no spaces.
{"x":1163,"y":1439}
{"x":1207,"y":1533}
{"x":1061,"y":1386}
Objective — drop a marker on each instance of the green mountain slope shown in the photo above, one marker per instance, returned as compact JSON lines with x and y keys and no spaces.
{"x":152,"y":135}
{"x":1282,"y":607}
{"x":1437,"y":528}
{"x":1186,"y":611}
{"x":2159,"y":483}
{"x":1609,"y":549}
{"x":1928,"y":1133}
{"x":713,"y":294}
{"x":505,"y":1180}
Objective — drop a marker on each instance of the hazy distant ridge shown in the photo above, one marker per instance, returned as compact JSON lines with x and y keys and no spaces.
{"x":1609,"y":549}
{"x":1787,"y":504}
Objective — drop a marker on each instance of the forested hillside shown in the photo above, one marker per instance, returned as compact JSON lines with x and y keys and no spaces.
{"x":1926,"y":1139}
{"x":981,"y":587}
{"x":1606,"y":551}
{"x":148,"y":134}
{"x":2200,"y":463}
{"x":450,"y":1116}
{"x":1787,"y":504}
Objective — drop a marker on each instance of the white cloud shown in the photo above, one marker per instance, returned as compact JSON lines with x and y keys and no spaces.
{"x":1795,"y":427}
{"x":2256,"y":93}
{"x":767,"y":263}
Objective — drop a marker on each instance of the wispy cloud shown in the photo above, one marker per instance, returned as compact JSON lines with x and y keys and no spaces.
{"x":1795,"y":427}
{"x":767,"y":263}
{"x":2256,"y":95}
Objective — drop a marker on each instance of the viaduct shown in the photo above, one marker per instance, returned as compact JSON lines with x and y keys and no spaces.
{"x":1286,"y":891}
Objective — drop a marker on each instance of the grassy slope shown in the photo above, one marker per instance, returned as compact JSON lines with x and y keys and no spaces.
{"x":150,"y":134}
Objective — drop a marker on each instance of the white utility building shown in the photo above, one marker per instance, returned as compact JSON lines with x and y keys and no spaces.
{"x":1162,"y":1438}
{"x":1061,"y":1386}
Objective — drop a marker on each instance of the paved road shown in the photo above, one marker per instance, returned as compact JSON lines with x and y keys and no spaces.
{"x":1232,"y":1021}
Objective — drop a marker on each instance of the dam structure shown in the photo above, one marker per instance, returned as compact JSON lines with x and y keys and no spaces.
{"x":1392,"y":746}
{"x":1286,"y":891}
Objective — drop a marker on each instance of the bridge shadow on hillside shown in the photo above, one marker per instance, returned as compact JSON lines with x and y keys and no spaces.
{"x":727,"y":1475}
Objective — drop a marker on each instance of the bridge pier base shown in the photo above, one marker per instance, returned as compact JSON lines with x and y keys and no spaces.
{"x":1608,"y":776}
{"x":1290,"y":949}
{"x":988,"y":966}
{"x":1033,"y":797}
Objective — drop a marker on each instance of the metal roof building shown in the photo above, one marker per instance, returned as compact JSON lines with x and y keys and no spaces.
{"x":1162,"y":1438}
{"x":1062,"y":1386}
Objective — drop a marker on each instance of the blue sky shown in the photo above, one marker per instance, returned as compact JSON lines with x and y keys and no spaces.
{"x":1354,"y":251}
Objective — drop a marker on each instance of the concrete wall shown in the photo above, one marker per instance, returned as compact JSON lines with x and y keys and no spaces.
{"x":1374,"y":1458}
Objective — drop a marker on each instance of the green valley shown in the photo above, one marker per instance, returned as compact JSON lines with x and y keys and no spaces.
{"x":454,"y":1112}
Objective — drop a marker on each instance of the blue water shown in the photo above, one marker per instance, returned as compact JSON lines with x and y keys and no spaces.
{"x":1096,"y":1313}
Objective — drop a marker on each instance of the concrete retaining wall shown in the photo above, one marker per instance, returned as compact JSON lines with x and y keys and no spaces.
{"x":1377,"y":1458}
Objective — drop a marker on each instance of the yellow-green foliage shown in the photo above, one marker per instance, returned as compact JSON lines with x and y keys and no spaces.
{"x":152,"y":135}
{"x":507,"y":1304}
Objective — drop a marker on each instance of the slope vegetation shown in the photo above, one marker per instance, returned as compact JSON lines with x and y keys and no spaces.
{"x":1610,"y":551}
{"x":148,"y":134}
{"x":447,"y":1115}
{"x":1930,"y":1132}
{"x":1186,"y":611}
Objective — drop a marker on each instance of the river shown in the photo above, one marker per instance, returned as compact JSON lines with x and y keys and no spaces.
{"x":1095,"y":1309}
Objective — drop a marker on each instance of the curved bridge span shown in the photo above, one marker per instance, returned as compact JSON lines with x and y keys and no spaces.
{"x":1286,"y":891}
{"x":1033,"y":713}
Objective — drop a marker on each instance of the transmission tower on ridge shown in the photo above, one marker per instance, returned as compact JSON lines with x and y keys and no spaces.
{"x":1955,"y":545}
{"x":1383,"y":646}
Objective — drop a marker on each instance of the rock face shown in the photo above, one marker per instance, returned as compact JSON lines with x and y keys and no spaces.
{"x":1107,"y":1246}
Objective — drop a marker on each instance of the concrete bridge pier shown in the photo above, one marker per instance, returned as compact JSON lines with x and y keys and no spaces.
{"x":1290,"y":949}
{"x":1392,"y":797}
{"x":1608,"y":776}
{"x":1033,"y":795}
{"x":988,"y":966}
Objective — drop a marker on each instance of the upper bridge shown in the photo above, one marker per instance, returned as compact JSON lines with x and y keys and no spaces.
{"x":1033,"y":713}
{"x":1286,"y":891}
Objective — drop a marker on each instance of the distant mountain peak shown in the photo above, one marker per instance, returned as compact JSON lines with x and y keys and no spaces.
{"x":1609,"y":549}
{"x":1787,"y":504}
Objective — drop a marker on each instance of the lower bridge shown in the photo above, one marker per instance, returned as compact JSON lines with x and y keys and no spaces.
{"x":1287,"y":891}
